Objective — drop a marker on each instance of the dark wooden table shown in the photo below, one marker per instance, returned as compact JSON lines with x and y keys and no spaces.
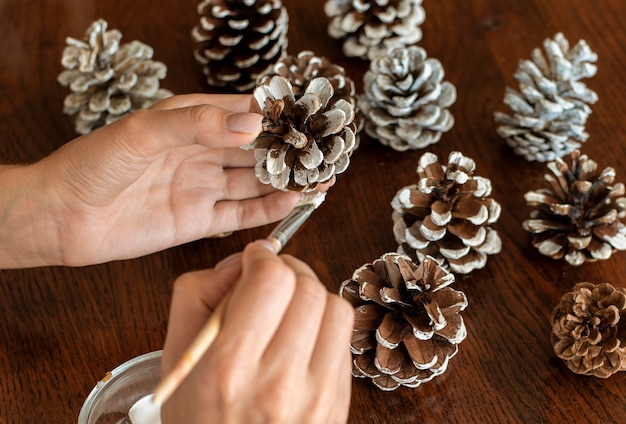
{"x":62,"y":329}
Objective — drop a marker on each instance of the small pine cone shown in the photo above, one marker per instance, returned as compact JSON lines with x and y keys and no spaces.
{"x":551,"y":109}
{"x":301,"y":69}
{"x":447,"y":215}
{"x":407,"y":320}
{"x":370,"y":29}
{"x":405,"y":101}
{"x":239,"y":40}
{"x":578,"y":216}
{"x":589,"y":329}
{"x":307,"y":138}
{"x":108,"y":80}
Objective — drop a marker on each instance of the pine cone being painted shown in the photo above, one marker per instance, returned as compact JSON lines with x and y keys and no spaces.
{"x":550,"y":110}
{"x":239,"y":40}
{"x":306,"y":139}
{"x":301,"y":69}
{"x":108,"y":80}
{"x":447,"y":215}
{"x":407,"y":320}
{"x":405,"y":100}
{"x":589,"y":329}
{"x":369,"y":29}
{"x":578,"y":217}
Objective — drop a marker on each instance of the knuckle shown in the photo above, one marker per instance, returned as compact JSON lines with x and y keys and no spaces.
{"x":312,"y":290}
{"x":278,"y":403}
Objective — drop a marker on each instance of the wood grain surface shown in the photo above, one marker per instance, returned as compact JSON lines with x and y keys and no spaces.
{"x":62,"y":329}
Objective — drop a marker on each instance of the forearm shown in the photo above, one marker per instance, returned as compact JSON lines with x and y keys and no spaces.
{"x":27,"y":232}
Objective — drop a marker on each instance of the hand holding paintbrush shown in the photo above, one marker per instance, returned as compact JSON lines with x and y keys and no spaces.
{"x":281,"y":349}
{"x":279,"y":237}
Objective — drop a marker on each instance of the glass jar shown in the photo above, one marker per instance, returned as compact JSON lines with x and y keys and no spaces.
{"x":114,"y":395}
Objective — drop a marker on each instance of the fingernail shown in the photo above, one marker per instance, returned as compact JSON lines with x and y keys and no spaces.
{"x":266,"y":244}
{"x":229,"y":261}
{"x":246,"y":122}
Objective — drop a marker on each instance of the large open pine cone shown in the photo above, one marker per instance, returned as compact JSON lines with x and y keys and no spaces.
{"x":307,"y":137}
{"x":578,"y":216}
{"x":239,"y":40}
{"x":108,"y":80}
{"x":407,"y":320}
{"x":447,"y":215}
{"x":405,"y":102}
{"x":550,"y":110}
{"x":372,"y":28}
{"x":589,"y":329}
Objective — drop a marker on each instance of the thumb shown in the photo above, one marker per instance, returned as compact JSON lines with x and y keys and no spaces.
{"x":149,"y":132}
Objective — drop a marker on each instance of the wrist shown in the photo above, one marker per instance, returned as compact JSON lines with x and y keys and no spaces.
{"x":27,"y":234}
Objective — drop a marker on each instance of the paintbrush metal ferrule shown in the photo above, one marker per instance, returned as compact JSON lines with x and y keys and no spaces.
{"x":292,"y":222}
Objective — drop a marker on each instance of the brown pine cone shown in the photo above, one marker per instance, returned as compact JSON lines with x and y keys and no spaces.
{"x":369,"y":29}
{"x":301,"y":69}
{"x":578,"y":217}
{"x":108,"y":80}
{"x":589,"y":329}
{"x":407,"y":320}
{"x":307,"y":138}
{"x":447,"y":215}
{"x":239,"y":40}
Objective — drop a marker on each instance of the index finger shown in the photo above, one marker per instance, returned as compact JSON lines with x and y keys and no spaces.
{"x":258,"y":303}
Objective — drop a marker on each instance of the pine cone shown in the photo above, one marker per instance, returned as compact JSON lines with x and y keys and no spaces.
{"x":238,"y":40}
{"x":589,"y":329}
{"x":407,"y":320}
{"x":447,"y":215}
{"x":405,"y":101}
{"x":306,"y":138}
{"x":108,"y":80}
{"x":301,"y":69}
{"x":369,"y":29}
{"x":578,"y":216}
{"x":551,"y":109}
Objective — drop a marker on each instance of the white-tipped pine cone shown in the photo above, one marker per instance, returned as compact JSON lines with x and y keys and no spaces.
{"x":407,"y":320}
{"x":405,"y":99}
{"x":307,"y":138}
{"x":447,"y":215}
{"x":550,"y":111}
{"x":239,"y":40}
{"x":301,"y":69}
{"x":370,"y":29}
{"x":578,"y":218}
{"x":108,"y":80}
{"x":589,"y":329}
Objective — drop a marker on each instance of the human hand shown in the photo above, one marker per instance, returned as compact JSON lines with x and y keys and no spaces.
{"x":282,"y":355}
{"x":158,"y":178}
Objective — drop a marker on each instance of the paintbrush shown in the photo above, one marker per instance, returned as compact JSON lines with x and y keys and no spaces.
{"x":278,"y":237}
